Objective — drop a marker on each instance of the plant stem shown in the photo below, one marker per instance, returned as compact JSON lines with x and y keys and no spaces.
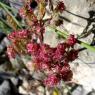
{"x":65,"y":35}
{"x":5,"y":22}
{"x":3,"y":6}
{"x":8,"y":7}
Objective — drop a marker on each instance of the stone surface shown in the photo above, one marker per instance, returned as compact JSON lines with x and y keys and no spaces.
{"x":9,"y":83}
{"x":80,"y":8}
{"x":5,"y":88}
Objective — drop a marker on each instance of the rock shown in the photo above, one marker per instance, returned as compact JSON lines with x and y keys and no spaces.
{"x":79,"y":8}
{"x":4,"y":60}
{"x":41,"y":90}
{"x":8,"y":84}
{"x":16,"y":81}
{"x":83,"y":74}
{"x":23,"y":91}
{"x":5,"y":88}
{"x":91,"y":92}
{"x":50,"y":34}
{"x":79,"y":91}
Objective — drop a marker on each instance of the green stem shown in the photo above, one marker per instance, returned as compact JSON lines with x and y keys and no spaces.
{"x":3,"y":6}
{"x":65,"y":35}
{"x":92,"y":48}
{"x":8,"y":7}
{"x":5,"y":22}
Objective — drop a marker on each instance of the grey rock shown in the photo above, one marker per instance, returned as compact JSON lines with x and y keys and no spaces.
{"x":9,"y":84}
{"x":5,"y":88}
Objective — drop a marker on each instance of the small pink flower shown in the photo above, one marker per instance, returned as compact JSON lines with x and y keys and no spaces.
{"x":65,"y":72}
{"x":32,"y":48}
{"x":71,"y":40}
{"x":45,"y":57}
{"x":51,"y":80}
{"x":22,"y":12}
{"x":60,"y":6}
{"x":57,"y":56}
{"x":12,"y":35}
{"x":61,"y":47}
{"x":45,"y":66}
{"x":57,"y":68}
{"x":45,"y":48}
{"x":22,"y":34}
{"x":59,"y":52}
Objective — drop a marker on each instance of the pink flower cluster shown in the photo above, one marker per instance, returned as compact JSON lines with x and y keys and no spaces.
{"x":21,"y":34}
{"x":51,"y":80}
{"x":53,"y":61}
{"x":19,"y":39}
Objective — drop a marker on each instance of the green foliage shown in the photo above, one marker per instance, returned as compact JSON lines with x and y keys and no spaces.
{"x":5,"y":28}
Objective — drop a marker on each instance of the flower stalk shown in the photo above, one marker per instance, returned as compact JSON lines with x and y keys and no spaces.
{"x":65,"y":35}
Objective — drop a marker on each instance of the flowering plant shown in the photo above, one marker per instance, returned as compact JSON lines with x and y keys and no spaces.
{"x":53,"y":61}
{"x":29,"y":40}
